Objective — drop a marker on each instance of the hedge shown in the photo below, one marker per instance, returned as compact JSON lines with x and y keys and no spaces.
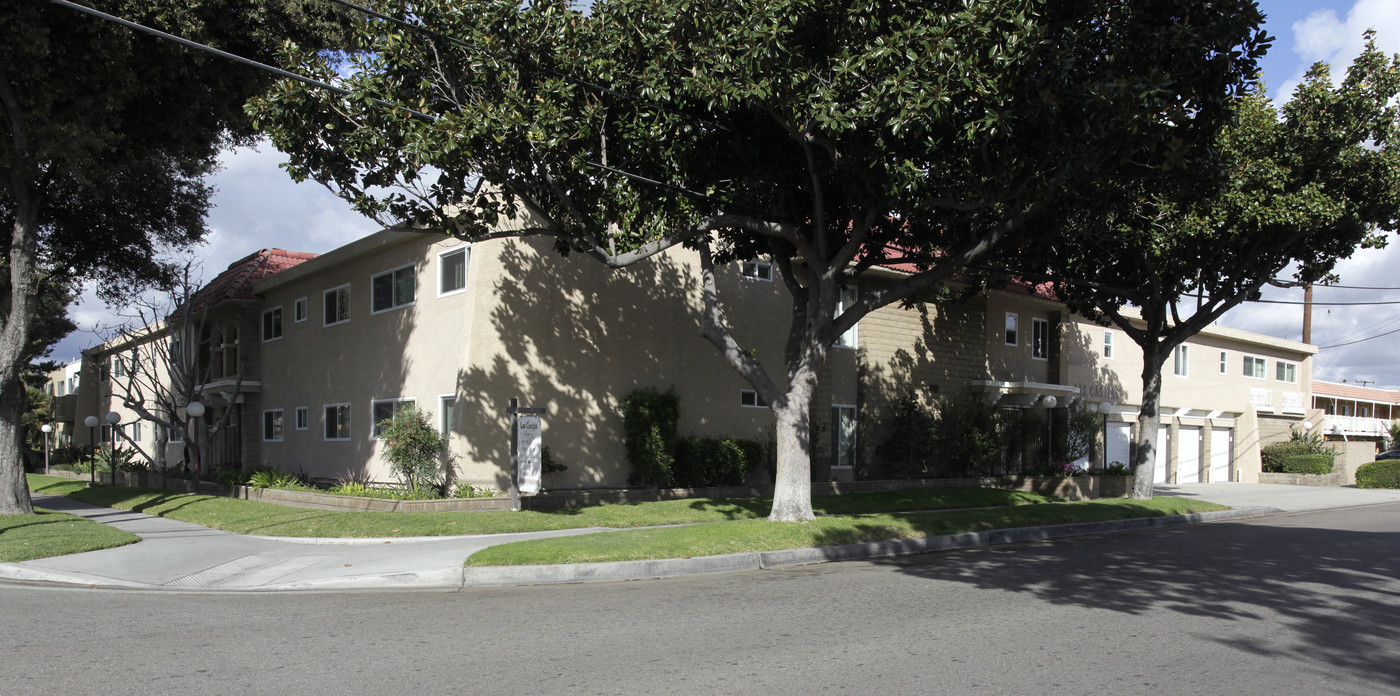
{"x":1382,"y":474}
{"x":1307,"y":464}
{"x":1272,"y":456}
{"x":714,"y":461}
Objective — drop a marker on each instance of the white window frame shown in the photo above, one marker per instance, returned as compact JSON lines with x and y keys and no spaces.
{"x":374,"y":417}
{"x":299,"y":312}
{"x":466,"y":251}
{"x":303,"y":418}
{"x":756,"y":270}
{"x":848,"y":295}
{"x":272,"y":430}
{"x":1040,"y":344}
{"x":393,"y":288}
{"x":1248,"y":363}
{"x":1224,"y":362}
{"x":1011,"y":332}
{"x":1291,"y":367}
{"x":136,"y":431}
{"x":1108,"y":344}
{"x":326,"y":421}
{"x":444,"y":427}
{"x":1181,"y":361}
{"x":325,"y":316}
{"x":749,"y":398}
{"x":275,"y":314}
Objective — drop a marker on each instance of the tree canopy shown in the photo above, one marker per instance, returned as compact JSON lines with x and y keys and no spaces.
{"x":827,"y":136}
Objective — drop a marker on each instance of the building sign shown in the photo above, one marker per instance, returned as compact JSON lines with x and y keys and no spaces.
{"x":529,"y":446}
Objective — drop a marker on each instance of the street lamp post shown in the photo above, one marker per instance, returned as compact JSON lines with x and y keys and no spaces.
{"x":47,"y":429}
{"x":195,"y":410}
{"x":1049,"y":402}
{"x":91,"y":422}
{"x":113,"y":418}
{"x":1105,"y":408}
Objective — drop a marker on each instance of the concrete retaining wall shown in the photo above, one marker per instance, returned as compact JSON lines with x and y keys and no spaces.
{"x":1333,"y":479}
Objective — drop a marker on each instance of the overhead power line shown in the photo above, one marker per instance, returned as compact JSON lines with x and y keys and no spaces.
{"x":1360,"y":340}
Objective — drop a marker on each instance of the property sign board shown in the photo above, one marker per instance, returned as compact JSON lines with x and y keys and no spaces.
{"x":529,"y":445}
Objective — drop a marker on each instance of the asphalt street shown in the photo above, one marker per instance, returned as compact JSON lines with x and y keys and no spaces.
{"x":1301,"y":603}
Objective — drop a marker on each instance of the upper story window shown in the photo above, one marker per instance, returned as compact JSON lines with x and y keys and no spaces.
{"x":337,"y":306}
{"x":452,"y":270}
{"x":1040,"y":339}
{"x":849,"y":296}
{"x":393,"y":289}
{"x":272,"y":324}
{"x":749,"y":398}
{"x":1180,"y":360}
{"x":756,"y":270}
{"x":1012,"y":321}
{"x":118,"y":366}
{"x":299,"y":310}
{"x":1107,"y":345}
{"x":1224,"y":362}
{"x":1253,"y":367}
{"x":1286,"y":372}
{"x":303,"y":415}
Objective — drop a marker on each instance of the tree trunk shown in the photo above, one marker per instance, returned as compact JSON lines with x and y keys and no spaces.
{"x":792,"y":488}
{"x":14,"y":490}
{"x":1149,"y":419}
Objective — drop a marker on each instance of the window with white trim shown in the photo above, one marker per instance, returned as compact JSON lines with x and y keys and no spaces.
{"x":849,"y":296}
{"x":749,"y":398}
{"x":1224,"y":362}
{"x":272,"y":324}
{"x":1286,"y":371}
{"x":1012,"y":322}
{"x":1180,"y":360}
{"x":756,"y":270}
{"x":1040,"y":339}
{"x":272,"y":425}
{"x":337,"y":422}
{"x":303,"y":418}
{"x":393,"y":289}
{"x":136,"y":431}
{"x":452,"y":270}
{"x":387,"y":409}
{"x":1108,"y":345}
{"x":1254,"y":367}
{"x":336,"y":306}
{"x":299,"y":310}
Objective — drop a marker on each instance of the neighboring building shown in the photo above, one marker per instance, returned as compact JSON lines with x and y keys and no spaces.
{"x":1351,"y":412}
{"x":307,"y":353}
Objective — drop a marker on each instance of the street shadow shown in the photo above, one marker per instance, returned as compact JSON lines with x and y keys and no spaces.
{"x":1334,"y":590}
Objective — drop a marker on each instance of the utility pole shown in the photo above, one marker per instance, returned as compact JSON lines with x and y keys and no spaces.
{"x":1307,"y":313}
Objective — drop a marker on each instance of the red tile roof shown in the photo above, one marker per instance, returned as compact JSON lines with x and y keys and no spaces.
{"x":236,"y":282}
{"x":1351,"y":391}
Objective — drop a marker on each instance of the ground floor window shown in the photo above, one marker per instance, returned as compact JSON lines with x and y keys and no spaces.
{"x":843,"y":435}
{"x":272,"y":425}
{"x":386,"y":409}
{"x":337,"y":421}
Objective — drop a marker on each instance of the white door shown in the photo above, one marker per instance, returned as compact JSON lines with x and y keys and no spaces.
{"x":1220,"y":441}
{"x":1119,"y":445}
{"x":1188,"y":455}
{"x":1159,"y":460}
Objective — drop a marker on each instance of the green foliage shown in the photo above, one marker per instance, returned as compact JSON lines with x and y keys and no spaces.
{"x":715,"y":461}
{"x":1080,"y":432}
{"x":233,"y":476}
{"x":966,"y":435}
{"x":908,"y":451}
{"x":1117,"y":469}
{"x":548,"y":463}
{"x":349,"y":488}
{"x":1381,"y":474}
{"x":413,"y":447}
{"x":467,"y":490}
{"x":274,"y":478}
{"x":1307,"y":464}
{"x":1300,"y":442}
{"x":120,"y":459}
{"x":1394,"y":434}
{"x":649,"y":422}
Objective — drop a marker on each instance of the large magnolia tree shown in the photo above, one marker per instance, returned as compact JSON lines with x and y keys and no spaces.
{"x":826,"y":135}
{"x":106,"y":137}
{"x":1302,"y":187}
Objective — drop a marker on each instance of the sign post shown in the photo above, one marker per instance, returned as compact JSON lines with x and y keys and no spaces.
{"x":526,"y":447}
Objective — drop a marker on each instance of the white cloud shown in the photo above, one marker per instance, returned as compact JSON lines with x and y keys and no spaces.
{"x":1323,"y":36}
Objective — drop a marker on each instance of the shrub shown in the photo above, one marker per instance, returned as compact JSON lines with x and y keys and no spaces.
{"x":272,"y":478}
{"x":1307,"y":464}
{"x":1299,"y":442}
{"x":965,"y":431}
{"x":414,"y":448}
{"x":232,"y":476}
{"x":1080,"y":432}
{"x":350,"y":488}
{"x":467,"y":490}
{"x":1382,"y":474}
{"x":715,"y":461}
{"x":908,"y":452}
{"x":1117,"y":469}
{"x":649,"y":420}
{"x":118,"y":459}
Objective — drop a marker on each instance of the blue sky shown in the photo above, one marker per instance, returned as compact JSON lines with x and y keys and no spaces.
{"x":258,"y":206}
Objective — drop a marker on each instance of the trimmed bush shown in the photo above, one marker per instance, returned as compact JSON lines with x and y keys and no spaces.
{"x":714,"y":461}
{"x":1307,"y":464}
{"x":1382,"y":474}
{"x":649,"y":420}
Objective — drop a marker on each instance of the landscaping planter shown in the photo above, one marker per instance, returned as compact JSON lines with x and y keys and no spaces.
{"x":1333,"y":479}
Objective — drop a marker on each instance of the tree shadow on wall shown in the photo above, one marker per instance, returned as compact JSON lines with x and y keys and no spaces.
{"x":572,"y":337}
{"x":1331,"y":593}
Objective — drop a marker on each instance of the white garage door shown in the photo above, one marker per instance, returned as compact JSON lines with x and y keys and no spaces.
{"x":1119,"y":446}
{"x":1188,"y":455}
{"x":1220,"y":441}
{"x":1159,"y":461}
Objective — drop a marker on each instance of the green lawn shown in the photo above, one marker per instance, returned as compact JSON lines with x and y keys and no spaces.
{"x":47,"y":533}
{"x":741,"y":536}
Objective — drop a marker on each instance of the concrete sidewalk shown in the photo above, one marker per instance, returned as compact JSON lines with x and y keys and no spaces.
{"x":178,"y":556}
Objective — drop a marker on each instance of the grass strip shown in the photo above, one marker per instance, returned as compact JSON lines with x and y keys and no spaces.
{"x":253,"y":517}
{"x":47,"y":533}
{"x":747,"y":536}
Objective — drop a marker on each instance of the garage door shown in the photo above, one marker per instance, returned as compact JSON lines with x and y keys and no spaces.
{"x":1188,"y":455}
{"x":1119,"y":446}
{"x":1159,"y":461}
{"x":1220,"y":441}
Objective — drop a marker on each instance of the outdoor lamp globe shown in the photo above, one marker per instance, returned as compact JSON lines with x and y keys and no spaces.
{"x":195,"y":409}
{"x":91,"y":421}
{"x":113,"y":417}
